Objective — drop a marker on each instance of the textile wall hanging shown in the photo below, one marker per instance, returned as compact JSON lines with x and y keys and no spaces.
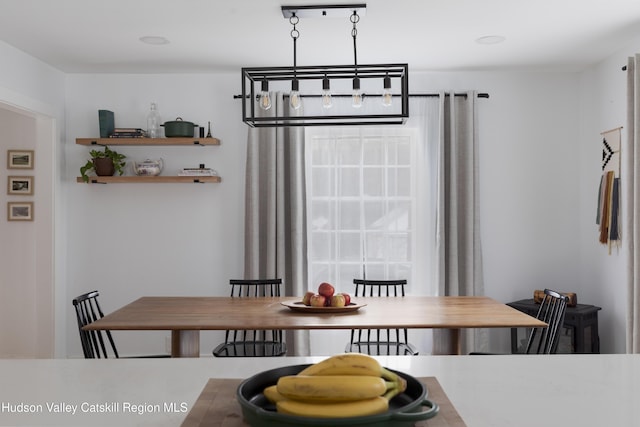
{"x":608,"y":216}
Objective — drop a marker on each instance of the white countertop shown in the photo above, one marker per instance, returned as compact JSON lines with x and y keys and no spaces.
{"x":500,"y":391}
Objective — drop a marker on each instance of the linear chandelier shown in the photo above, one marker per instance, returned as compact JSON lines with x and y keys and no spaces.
{"x":317,"y":106}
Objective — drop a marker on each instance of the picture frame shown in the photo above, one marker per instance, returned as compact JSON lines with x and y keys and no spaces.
{"x":20,"y":185}
{"x":20,"y":211}
{"x":20,"y":159}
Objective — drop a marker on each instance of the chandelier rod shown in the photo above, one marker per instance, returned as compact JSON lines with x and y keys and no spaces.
{"x":411,"y":95}
{"x":354,"y":33}
{"x":293,"y":20}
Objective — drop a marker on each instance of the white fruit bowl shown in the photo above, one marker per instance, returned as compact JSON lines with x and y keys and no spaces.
{"x":301,"y":307}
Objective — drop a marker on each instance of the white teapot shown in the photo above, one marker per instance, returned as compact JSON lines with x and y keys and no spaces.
{"x":148,"y":167}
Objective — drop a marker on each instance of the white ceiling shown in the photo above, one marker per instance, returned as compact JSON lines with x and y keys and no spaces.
{"x":88,"y":36}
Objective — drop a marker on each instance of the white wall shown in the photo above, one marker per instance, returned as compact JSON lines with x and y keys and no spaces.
{"x":603,"y":276}
{"x":538,"y":141}
{"x":187,"y":240}
{"x":30,"y":83}
{"x":129,"y":240}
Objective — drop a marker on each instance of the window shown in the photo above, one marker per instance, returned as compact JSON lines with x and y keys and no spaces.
{"x":361,"y":204}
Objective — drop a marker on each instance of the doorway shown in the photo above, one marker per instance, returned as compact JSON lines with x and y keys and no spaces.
{"x":27,"y":274}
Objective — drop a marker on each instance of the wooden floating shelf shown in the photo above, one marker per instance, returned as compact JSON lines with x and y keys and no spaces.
{"x":150,"y":179}
{"x":147,"y":141}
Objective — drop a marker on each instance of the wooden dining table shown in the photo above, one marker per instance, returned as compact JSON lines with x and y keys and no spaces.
{"x":186,"y":316}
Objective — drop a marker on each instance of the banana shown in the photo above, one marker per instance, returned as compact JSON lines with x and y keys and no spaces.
{"x":354,"y":364}
{"x":332,"y":388}
{"x":272,"y":395}
{"x":356,"y":408}
{"x":341,"y":386}
{"x":345,"y":364}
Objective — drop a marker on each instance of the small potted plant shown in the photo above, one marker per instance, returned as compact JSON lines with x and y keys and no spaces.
{"x":104,"y":163}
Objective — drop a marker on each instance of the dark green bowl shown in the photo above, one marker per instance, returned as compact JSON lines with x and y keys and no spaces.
{"x":405,"y":409}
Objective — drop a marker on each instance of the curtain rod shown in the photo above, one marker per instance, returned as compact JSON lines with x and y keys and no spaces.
{"x":411,"y":95}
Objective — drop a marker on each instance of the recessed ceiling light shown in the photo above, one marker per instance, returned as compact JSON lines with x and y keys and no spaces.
{"x":155,"y":40}
{"x":490,"y":39}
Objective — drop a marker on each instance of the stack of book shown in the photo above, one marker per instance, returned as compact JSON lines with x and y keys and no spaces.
{"x":128,"y":133}
{"x":197,"y":172}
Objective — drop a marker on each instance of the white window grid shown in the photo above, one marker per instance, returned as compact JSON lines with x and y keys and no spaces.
{"x":378,"y":183}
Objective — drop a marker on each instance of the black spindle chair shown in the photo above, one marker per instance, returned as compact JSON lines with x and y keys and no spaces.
{"x":96,"y":344}
{"x":253,"y":343}
{"x":552,"y":311}
{"x":380,"y":341}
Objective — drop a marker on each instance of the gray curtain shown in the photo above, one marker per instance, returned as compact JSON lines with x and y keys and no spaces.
{"x":632,"y":204}
{"x":458,"y":248}
{"x":275,"y":220}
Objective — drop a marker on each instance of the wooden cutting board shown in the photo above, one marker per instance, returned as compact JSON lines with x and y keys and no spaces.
{"x":217,"y":406}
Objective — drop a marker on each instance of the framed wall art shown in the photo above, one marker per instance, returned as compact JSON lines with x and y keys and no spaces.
{"x":20,"y":211}
{"x":20,"y":159}
{"x":20,"y":185}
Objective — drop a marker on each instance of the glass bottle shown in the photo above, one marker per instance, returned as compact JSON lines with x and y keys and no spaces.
{"x":153,"y":122}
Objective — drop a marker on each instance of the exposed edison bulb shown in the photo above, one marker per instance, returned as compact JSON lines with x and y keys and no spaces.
{"x":264,"y":100}
{"x":387,"y":97}
{"x":356,"y":99}
{"x":356,"y":96}
{"x":295,"y":100}
{"x":327,"y":102}
{"x":294,"y":97}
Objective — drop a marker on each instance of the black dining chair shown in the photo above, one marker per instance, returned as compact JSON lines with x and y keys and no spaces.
{"x":380,"y":341}
{"x":552,"y":311}
{"x":253,"y":343}
{"x":545,"y":340}
{"x":96,"y":344}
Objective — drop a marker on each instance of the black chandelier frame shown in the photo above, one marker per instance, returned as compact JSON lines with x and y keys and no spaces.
{"x":252,"y":78}
{"x":255,"y":78}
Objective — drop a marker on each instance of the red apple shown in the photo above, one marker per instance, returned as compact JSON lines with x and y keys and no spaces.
{"x":306,"y":299}
{"x":318,"y":300}
{"x":347,"y":298}
{"x":326,"y":289}
{"x":338,"y":300}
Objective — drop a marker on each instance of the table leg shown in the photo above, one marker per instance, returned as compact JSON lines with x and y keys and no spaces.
{"x":185,"y":343}
{"x":514,"y":340}
{"x":456,"y":345}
